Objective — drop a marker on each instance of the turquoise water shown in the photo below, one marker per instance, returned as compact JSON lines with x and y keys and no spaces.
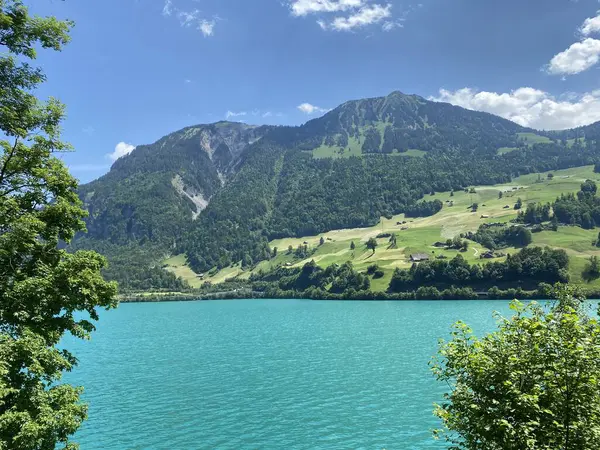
{"x":267,"y":374}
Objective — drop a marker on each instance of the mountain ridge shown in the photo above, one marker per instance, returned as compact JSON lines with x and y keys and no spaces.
{"x":219,"y":192}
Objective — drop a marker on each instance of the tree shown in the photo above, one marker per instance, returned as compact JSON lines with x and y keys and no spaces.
{"x":457,"y":242}
{"x":42,"y":286}
{"x":589,"y":187}
{"x":519,"y":203}
{"x":474,"y":207}
{"x":500,"y":194}
{"x":352,"y":246}
{"x":246,"y":260}
{"x":274,"y":252}
{"x":290,"y":249}
{"x":550,"y":176}
{"x":592,"y":269}
{"x":372,"y":244}
{"x":372,"y":269}
{"x":321,"y":241}
{"x":532,"y":384}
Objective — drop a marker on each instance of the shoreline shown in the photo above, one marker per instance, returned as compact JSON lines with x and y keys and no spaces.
{"x":246,"y":295}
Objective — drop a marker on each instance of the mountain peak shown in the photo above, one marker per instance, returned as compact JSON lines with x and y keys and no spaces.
{"x":398,"y":94}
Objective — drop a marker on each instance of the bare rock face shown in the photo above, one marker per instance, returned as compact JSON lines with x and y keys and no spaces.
{"x":189,"y":192}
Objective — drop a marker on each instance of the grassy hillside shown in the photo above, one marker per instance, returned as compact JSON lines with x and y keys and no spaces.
{"x":532,"y":138}
{"x":529,"y":139}
{"x":421,"y":233}
{"x":220,"y":192}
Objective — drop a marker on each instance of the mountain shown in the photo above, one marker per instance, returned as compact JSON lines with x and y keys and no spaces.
{"x":155,"y":192}
{"x":401,"y":122}
{"x":219,"y":193}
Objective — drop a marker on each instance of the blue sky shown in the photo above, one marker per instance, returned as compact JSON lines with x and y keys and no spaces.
{"x":139,"y":69}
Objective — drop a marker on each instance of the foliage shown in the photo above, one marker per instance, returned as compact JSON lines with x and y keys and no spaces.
{"x":532,"y":384}
{"x":530,"y":265}
{"x":494,"y":237}
{"x":424,"y":208}
{"x":457,"y":243}
{"x":335,"y":279}
{"x":42,"y":287}
{"x":372,"y":244}
{"x":519,"y":204}
{"x":592,"y":269}
{"x":582,"y":209}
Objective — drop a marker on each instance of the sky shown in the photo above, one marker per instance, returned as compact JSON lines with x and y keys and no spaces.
{"x":137,"y":70}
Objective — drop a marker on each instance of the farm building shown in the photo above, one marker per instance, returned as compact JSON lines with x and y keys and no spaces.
{"x":418,"y":257}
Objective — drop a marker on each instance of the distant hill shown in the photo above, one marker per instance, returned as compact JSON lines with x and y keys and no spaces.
{"x":220,"y":192}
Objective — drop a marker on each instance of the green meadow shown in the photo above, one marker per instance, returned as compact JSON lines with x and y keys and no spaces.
{"x":418,"y":235}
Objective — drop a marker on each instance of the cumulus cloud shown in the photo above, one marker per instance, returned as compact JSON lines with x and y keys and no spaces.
{"x":360,"y":13}
{"x":207,"y":27}
{"x":305,"y":7}
{"x":590,"y":25}
{"x":530,"y":107}
{"x":577,"y":58}
{"x":192,"y":18}
{"x":121,"y":149}
{"x":307,"y":108}
{"x":230,"y":114}
{"x":365,"y":16}
{"x":580,"y":56}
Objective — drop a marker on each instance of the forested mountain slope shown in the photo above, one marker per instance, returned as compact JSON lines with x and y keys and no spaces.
{"x":220,"y":192}
{"x":159,"y":188}
{"x":401,"y":122}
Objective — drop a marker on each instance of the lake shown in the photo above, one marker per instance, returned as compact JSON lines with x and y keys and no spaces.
{"x":267,"y":374}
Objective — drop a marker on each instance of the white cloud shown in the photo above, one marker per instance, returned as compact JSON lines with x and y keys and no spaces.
{"x":390,"y":25}
{"x":187,"y":18}
{"x":530,"y":107}
{"x":230,"y":114}
{"x":168,"y":8}
{"x":365,"y":16}
{"x":121,"y":149}
{"x":305,"y":7}
{"x":580,"y":56}
{"x":267,"y":114}
{"x":207,"y":27}
{"x":307,"y":108}
{"x":577,"y":58}
{"x":190,"y":18}
{"x":89,"y":130}
{"x":590,"y":25}
{"x":360,"y":13}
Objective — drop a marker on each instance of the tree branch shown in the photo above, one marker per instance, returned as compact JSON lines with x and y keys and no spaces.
{"x":8,"y":158}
